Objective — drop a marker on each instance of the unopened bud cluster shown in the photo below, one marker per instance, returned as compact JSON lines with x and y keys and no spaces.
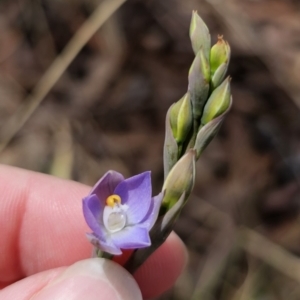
{"x":191,"y":123}
{"x":194,"y":120}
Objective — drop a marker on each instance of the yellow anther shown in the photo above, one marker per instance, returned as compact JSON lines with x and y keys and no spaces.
{"x":113,"y":200}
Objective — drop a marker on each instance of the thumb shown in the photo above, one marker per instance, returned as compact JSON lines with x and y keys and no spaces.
{"x":88,"y":279}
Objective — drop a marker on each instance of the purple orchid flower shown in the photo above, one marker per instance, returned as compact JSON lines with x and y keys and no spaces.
{"x":121,"y":212}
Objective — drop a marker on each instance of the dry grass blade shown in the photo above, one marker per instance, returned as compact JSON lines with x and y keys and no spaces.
{"x":271,"y":253}
{"x":218,"y":256}
{"x":62,"y":163}
{"x":60,"y":64}
{"x":244,"y":238}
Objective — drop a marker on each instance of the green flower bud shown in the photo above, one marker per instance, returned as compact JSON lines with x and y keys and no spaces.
{"x":219,"y":54}
{"x":181,"y":118}
{"x":180,"y":180}
{"x":170,"y":146}
{"x":199,"y":77}
{"x":218,"y":76}
{"x":217,"y":103}
{"x":206,"y":133}
{"x":199,"y":35}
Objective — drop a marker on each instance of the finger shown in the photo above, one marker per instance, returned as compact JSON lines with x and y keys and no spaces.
{"x":41,"y":223}
{"x":42,"y":227}
{"x":163,"y":268}
{"x":89,"y":279}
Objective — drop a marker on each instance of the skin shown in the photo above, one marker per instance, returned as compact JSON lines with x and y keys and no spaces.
{"x":43,"y":232}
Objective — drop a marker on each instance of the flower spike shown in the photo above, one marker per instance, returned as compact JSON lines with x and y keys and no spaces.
{"x":121,"y":212}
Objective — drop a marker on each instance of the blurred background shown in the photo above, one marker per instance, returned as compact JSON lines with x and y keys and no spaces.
{"x":106,"y":110}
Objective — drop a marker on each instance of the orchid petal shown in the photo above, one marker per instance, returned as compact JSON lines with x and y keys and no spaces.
{"x":152,"y":214}
{"x":93,"y":211}
{"x":107,"y":184}
{"x":103,"y":245}
{"x":136,"y":193}
{"x":131,"y":237}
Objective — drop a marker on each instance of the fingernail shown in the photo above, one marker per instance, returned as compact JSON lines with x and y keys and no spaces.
{"x":91,"y":279}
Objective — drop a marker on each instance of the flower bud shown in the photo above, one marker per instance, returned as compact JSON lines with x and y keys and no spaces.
{"x":206,"y":133}
{"x":218,"y":76}
{"x":219,"y":54}
{"x":170,"y":146}
{"x":199,"y":77}
{"x":218,"y":102}
{"x":181,"y":118}
{"x":180,"y":180}
{"x":199,"y":35}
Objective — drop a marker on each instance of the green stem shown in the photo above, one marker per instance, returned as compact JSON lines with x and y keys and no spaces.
{"x":101,"y":254}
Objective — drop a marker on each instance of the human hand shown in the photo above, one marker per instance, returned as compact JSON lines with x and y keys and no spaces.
{"x":43,"y":231}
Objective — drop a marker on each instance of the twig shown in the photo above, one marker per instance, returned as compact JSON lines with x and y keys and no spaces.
{"x":58,"y":67}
